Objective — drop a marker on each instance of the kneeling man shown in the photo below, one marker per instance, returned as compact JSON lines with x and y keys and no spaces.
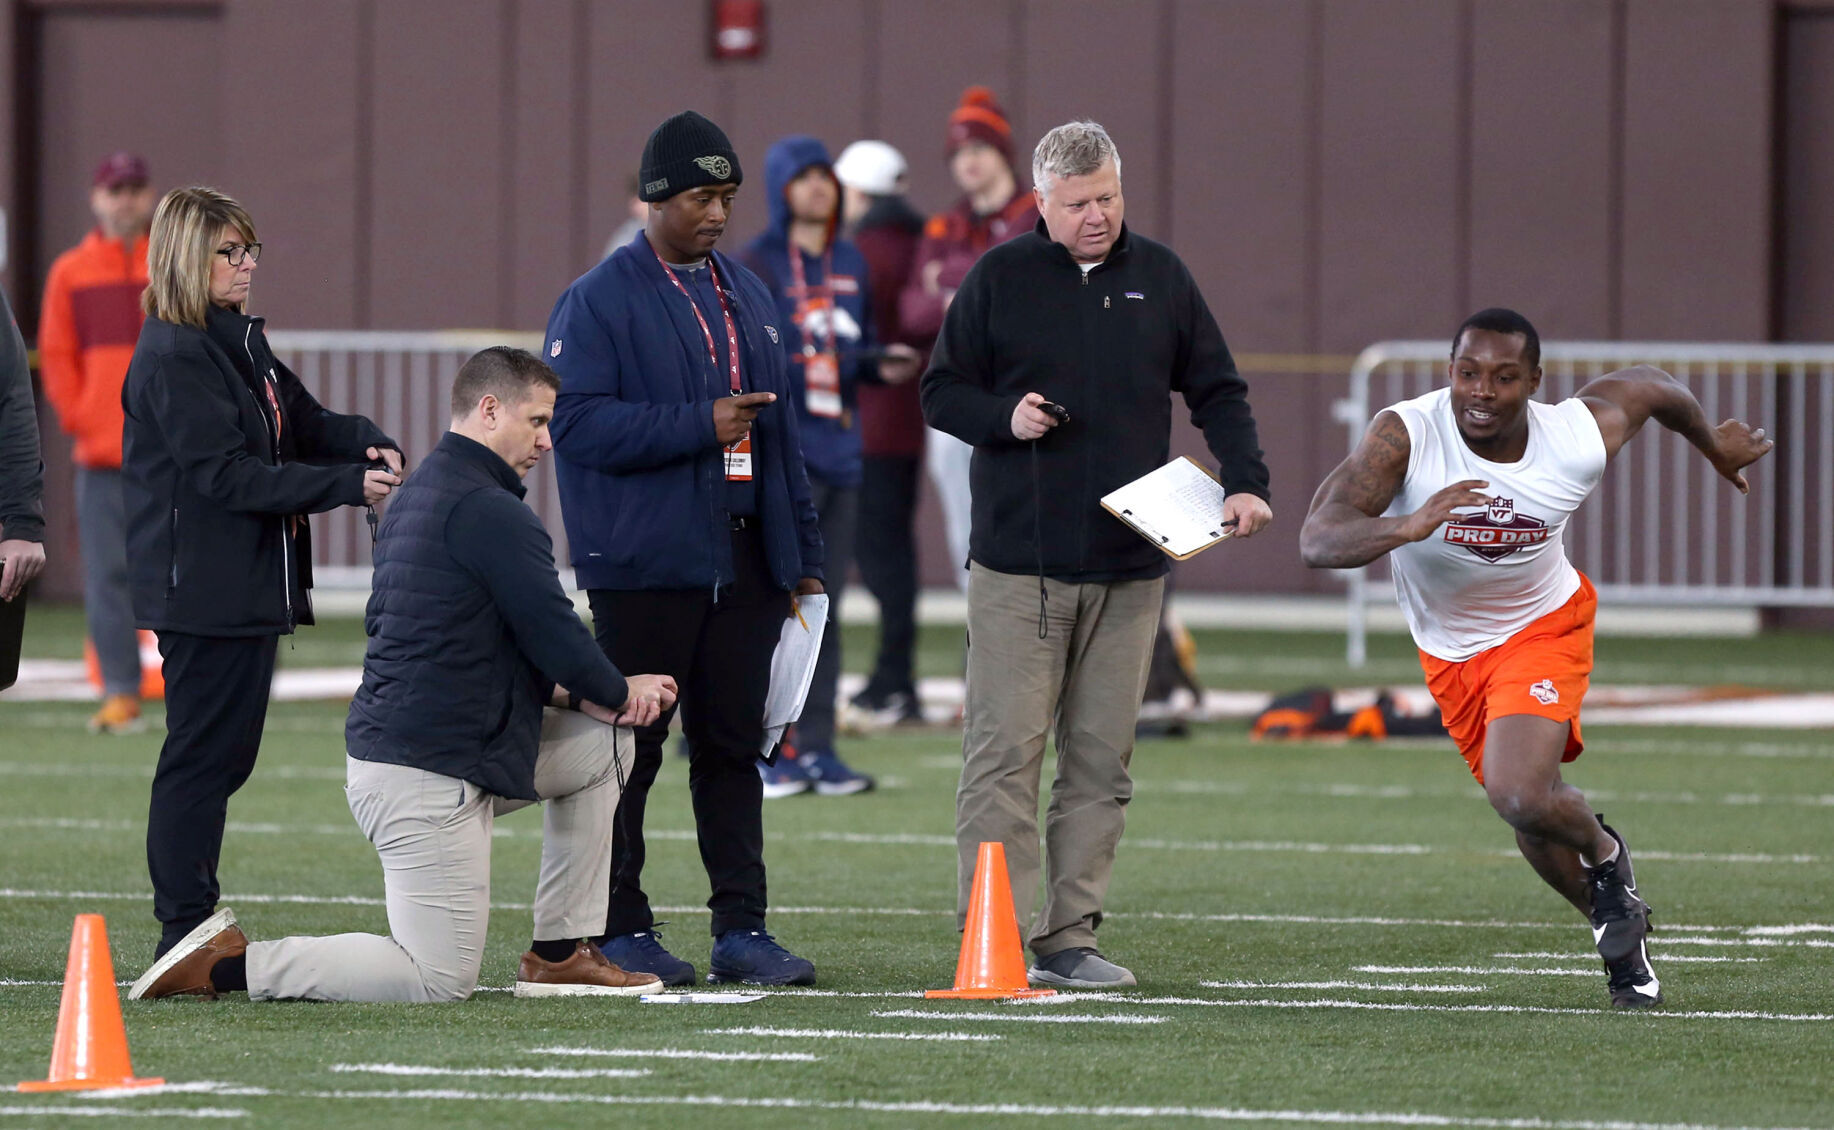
{"x":470,"y":634}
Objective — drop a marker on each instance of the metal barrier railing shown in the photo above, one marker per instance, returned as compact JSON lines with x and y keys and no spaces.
{"x":402,"y":381}
{"x":1663,"y":528}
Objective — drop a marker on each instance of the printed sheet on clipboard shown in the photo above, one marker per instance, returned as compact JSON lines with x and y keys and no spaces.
{"x":1178,"y":508}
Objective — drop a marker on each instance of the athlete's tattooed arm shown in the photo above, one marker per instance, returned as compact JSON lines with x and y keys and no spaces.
{"x":1345,"y":527}
{"x":1623,"y":400}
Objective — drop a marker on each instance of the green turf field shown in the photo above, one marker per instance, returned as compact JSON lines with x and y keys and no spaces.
{"x":1323,"y":934}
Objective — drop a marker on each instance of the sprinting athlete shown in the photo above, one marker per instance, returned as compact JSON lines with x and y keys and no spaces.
{"x":1470,"y":488}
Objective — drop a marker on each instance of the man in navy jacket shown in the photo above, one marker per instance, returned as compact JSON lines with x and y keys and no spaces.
{"x":826,"y":323}
{"x":469,"y":631}
{"x":685,"y":500}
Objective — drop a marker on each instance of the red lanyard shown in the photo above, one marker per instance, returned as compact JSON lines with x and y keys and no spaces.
{"x":732,"y":331}
{"x":801,"y":284}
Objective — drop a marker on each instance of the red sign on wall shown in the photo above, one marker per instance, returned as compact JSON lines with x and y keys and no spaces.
{"x":738,"y":29}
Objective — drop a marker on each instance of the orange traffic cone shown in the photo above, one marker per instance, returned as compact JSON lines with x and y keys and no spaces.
{"x":152,"y":674}
{"x":90,"y":1051}
{"x":992,"y":964}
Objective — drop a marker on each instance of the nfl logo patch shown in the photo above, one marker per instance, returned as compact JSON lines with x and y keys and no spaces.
{"x":554,"y":350}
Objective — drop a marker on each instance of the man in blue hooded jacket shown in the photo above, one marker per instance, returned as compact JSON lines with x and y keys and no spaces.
{"x":688,"y":512}
{"x":819,"y":283}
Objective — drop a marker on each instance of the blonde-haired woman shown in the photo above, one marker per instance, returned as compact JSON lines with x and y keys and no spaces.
{"x":216,"y":493}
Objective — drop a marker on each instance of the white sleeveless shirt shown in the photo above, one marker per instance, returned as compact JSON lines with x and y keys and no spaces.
{"x":1484,"y":576}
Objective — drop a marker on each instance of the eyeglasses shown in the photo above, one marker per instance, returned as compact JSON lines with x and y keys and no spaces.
{"x":238,"y":253}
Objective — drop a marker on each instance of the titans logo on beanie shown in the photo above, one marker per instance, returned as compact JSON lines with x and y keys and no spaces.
{"x":685,"y":152}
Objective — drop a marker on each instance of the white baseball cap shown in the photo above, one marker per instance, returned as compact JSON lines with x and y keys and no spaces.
{"x":871,"y":166}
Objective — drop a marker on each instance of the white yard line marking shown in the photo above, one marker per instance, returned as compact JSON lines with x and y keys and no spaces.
{"x":910,"y":839}
{"x":1025,"y":1110}
{"x":145,"y":771}
{"x":844,"y":1034}
{"x":909,"y":994}
{"x":1135,"y":1001}
{"x":494,"y":1072}
{"x":1764,"y":943}
{"x":59,"y":769}
{"x":1593,"y":958}
{"x":1667,"y":938}
{"x":896,"y":839}
{"x":1344,"y":791}
{"x":682,"y":1053}
{"x":140,"y":896}
{"x":119,"y":1112}
{"x":195,"y":1087}
{"x":1369,"y":986}
{"x":1396,"y":1006}
{"x":1301,"y":847}
{"x":1475,"y":970}
{"x":138,"y":827}
{"x":919,"y":1014}
{"x":1711,"y":857}
{"x":1279,"y":846}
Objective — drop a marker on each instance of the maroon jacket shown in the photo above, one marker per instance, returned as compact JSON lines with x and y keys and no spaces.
{"x":952,"y":241}
{"x":891,"y":418}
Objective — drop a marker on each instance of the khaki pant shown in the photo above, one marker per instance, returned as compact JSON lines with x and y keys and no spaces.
{"x":433,"y":834}
{"x":1084,"y":679}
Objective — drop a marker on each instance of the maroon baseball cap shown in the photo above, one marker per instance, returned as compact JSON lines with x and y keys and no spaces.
{"x":121,"y":168}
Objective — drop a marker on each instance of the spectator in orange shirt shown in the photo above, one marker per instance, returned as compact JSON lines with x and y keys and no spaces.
{"x":86,"y":337}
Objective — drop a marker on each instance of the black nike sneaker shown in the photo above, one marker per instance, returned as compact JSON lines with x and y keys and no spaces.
{"x":1620,"y":919}
{"x":1632,"y":982}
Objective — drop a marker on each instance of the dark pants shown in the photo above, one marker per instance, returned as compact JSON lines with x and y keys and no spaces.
{"x":216,"y":705}
{"x":720,"y":655}
{"x":835,"y":510}
{"x":887,"y":550}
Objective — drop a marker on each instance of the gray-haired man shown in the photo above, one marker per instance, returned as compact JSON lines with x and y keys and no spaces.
{"x":1095,"y":328}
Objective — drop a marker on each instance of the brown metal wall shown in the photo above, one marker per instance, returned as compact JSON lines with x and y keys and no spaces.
{"x":1334,"y":171}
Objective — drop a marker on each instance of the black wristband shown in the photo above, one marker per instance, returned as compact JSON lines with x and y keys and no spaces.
{"x":572,"y":701}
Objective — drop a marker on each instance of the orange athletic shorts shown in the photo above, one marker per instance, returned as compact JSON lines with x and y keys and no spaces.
{"x":1544,"y":669}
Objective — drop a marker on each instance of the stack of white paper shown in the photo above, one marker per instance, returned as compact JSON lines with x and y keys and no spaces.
{"x":793,"y":667}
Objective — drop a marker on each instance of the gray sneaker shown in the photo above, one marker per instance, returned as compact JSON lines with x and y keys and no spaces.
{"x":1080,"y":968}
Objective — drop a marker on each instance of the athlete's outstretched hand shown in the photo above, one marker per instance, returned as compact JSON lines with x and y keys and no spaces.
{"x":1736,"y":446}
{"x":1420,"y":525}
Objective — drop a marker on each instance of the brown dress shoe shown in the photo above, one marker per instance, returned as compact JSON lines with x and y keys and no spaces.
{"x":184,"y":970}
{"x":585,"y":973}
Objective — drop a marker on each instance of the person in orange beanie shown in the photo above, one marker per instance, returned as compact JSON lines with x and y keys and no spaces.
{"x":86,"y":337}
{"x":995,"y":206}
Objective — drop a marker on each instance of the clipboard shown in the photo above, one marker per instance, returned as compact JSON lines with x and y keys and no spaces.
{"x":1177,"y":507}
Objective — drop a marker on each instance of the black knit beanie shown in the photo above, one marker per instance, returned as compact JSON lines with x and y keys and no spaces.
{"x":686,"y":152}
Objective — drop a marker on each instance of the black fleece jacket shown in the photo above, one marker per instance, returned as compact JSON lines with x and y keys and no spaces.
{"x":1111,"y":347}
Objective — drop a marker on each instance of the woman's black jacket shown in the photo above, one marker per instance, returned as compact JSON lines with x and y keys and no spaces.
{"x":224,"y":453}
